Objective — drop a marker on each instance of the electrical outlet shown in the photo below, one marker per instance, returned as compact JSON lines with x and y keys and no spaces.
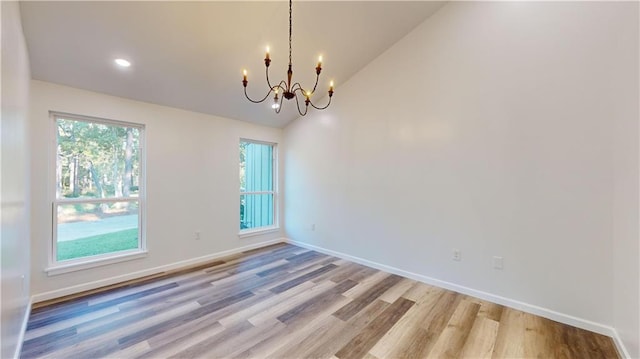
{"x":197,"y":236}
{"x":457,"y":255}
{"x":498,"y":262}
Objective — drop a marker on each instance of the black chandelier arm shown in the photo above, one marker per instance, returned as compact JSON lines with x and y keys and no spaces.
{"x":298,"y":88}
{"x":255,"y":101}
{"x":282,"y":86}
{"x":267,"y":76}
{"x":300,"y":111}
{"x":316,"y":84}
{"x":321,"y":108}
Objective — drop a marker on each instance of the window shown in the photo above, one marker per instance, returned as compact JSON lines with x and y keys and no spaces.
{"x":257,"y":186}
{"x":99,"y":187}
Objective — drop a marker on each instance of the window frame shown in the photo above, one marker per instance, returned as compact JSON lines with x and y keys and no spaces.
{"x":56,"y":267}
{"x":275,"y":227}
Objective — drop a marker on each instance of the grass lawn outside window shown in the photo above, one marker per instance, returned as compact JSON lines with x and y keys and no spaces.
{"x":98,"y":244}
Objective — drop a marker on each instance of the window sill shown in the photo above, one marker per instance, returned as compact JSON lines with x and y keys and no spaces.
{"x":257,"y":232}
{"x":92,"y":263}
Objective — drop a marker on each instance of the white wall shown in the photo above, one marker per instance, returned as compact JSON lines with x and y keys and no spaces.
{"x":489,"y":129}
{"x":626,"y":234}
{"x":14,"y":147}
{"x":192,"y":180}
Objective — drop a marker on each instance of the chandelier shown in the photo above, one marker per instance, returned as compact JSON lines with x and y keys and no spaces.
{"x":286,"y":89}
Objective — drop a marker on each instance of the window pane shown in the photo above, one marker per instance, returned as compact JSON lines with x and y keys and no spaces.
{"x":256,"y":167}
{"x":256,"y":210}
{"x":88,"y":229}
{"x":96,"y":160}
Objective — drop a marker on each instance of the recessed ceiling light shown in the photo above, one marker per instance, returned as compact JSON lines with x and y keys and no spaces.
{"x":123,"y":62}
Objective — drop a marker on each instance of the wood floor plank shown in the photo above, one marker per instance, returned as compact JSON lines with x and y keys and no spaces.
{"x":176,"y":321}
{"x":537,"y":341}
{"x":452,"y":339}
{"x":100,"y":342}
{"x":284,"y":301}
{"x":309,"y":339}
{"x":362,"y":274}
{"x":303,"y":278}
{"x":209,"y":344}
{"x":367,"y":297}
{"x":482,"y":339}
{"x":286,"y":305}
{"x":56,"y":346}
{"x":70,"y":322}
{"x":301,"y":327}
{"x":408,"y":338}
{"x":339,"y":335}
{"x":173,"y":346}
{"x":134,"y":351}
{"x":603,"y":344}
{"x":53,"y":318}
{"x":510,"y":338}
{"x":561,"y":348}
{"x":244,"y":339}
{"x":417,"y":291}
{"x":491,"y":311}
{"x":345,"y":271}
{"x":359,"y":346}
{"x":317,"y":303}
{"x":178,"y":335}
{"x":291,"y":263}
{"x":267,"y":346}
{"x":265,"y":304}
{"x":288,"y":338}
{"x":305,"y":321}
{"x":416,"y":333}
{"x":397,"y":290}
{"x":260,"y":335}
{"x":366,"y":284}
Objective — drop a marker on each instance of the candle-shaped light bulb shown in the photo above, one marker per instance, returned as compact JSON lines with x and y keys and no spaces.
{"x":267,"y":52}
{"x":244,"y":75}
{"x":331,"y":85}
{"x":275,"y":104}
{"x":320,"y":61}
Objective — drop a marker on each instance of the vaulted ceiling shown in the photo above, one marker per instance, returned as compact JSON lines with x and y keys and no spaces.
{"x":190,"y":55}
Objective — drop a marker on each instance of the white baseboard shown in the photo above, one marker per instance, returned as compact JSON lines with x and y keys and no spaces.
{"x":622,"y":349}
{"x":23,"y":329}
{"x":516,"y":304}
{"x":143,"y":273}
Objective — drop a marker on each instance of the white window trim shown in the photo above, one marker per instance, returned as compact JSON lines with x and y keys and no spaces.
{"x":55,"y":267}
{"x":258,"y":231}
{"x":251,"y":232}
{"x":96,"y":261}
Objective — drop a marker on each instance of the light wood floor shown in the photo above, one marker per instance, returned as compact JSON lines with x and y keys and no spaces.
{"x":284,"y":301}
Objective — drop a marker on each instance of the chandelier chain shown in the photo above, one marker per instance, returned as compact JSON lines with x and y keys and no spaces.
{"x":290,"y":27}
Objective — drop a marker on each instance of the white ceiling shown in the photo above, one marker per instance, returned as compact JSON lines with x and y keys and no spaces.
{"x":190,"y":55}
